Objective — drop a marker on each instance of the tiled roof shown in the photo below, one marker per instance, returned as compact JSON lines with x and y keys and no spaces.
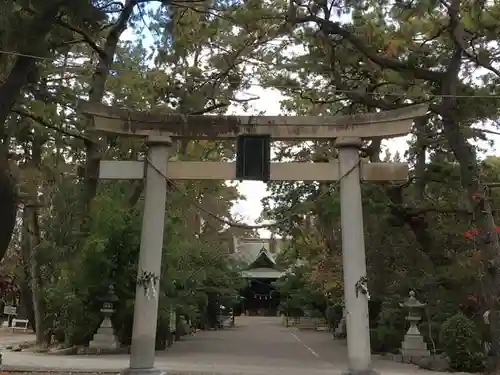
{"x":248,"y":251}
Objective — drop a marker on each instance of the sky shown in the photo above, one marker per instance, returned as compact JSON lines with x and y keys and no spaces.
{"x":268,"y":103}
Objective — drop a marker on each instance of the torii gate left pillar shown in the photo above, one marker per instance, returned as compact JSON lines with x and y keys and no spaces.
{"x":142,"y":351}
{"x":354,"y":258}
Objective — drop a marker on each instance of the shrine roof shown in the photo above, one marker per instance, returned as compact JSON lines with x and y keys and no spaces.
{"x":249,"y":252}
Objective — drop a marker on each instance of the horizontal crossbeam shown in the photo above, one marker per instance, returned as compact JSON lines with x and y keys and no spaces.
{"x":203,"y":170}
{"x":369,"y":125}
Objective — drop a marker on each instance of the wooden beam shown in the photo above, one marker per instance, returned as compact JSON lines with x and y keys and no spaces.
{"x":134,"y":123}
{"x":203,"y":170}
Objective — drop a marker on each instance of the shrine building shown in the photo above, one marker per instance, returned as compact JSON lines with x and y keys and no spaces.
{"x":257,"y":257}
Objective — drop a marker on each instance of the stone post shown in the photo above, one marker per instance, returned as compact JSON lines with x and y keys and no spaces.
{"x":353,"y":257}
{"x":142,"y":352}
{"x":413,"y":345}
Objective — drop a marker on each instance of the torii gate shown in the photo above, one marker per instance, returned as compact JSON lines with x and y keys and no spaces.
{"x":160,"y":129}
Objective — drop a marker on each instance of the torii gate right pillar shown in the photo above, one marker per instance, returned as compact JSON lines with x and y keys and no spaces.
{"x":353,"y":257}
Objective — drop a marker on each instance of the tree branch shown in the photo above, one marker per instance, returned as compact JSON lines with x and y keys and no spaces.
{"x":210,"y":108}
{"x":45,"y":123}
{"x":460,"y":36}
{"x":86,"y":37}
{"x":335,"y":28}
{"x":364,"y":98}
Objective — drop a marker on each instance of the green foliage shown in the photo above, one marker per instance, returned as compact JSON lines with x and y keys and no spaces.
{"x":299,"y":296}
{"x":385,"y":339}
{"x":461,"y":343}
{"x":107,"y":257}
{"x":333,"y":315}
{"x":390,"y":328}
{"x":192,"y":270}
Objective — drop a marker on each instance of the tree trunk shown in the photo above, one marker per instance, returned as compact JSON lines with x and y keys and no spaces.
{"x":35,"y":276}
{"x":8,"y":202}
{"x":10,"y":89}
{"x":26,"y":294}
{"x":26,"y":301}
{"x":177,"y":326}
{"x":34,"y":235}
{"x":96,"y":93}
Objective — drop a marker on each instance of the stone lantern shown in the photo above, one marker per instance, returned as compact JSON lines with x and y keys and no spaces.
{"x":104,"y":338}
{"x":413,"y":344}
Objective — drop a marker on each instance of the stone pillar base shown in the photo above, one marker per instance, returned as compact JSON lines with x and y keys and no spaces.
{"x":107,"y":344}
{"x":414,"y":346}
{"x":104,"y":338}
{"x":360,"y":372}
{"x":142,"y":371}
{"x":415,"y":353}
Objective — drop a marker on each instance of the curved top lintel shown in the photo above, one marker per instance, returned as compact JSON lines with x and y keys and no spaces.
{"x":367,"y":125}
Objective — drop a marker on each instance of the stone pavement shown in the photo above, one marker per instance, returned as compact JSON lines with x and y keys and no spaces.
{"x":257,"y":346}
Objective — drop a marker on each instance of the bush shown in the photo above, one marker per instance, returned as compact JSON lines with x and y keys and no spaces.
{"x":430,"y":332}
{"x":333,"y":315}
{"x":460,"y":341}
{"x":182,"y":327}
{"x":391,"y":325}
{"x":385,"y":339}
